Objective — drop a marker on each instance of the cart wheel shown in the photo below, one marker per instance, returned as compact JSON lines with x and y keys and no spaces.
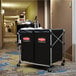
{"x":49,"y":70}
{"x":18,"y":65}
{"x":63,"y":63}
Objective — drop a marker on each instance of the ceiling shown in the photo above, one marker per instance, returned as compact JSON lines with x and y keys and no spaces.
{"x":15,"y":7}
{"x":16,"y":3}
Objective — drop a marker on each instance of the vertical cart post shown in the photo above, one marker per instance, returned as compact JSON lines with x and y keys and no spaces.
{"x":63,"y":49}
{"x":19,"y":48}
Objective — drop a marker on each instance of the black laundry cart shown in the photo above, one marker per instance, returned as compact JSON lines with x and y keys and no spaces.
{"x":42,"y":46}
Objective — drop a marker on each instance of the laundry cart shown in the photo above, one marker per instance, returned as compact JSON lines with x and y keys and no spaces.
{"x":42,"y":46}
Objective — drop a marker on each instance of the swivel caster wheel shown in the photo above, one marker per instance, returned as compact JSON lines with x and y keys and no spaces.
{"x":63,"y":63}
{"x":49,"y":70}
{"x":18,"y":65}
